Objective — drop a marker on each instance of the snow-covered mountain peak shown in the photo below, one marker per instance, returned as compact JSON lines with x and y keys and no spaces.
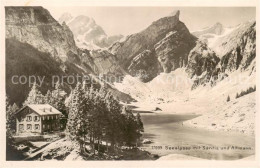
{"x":217,"y":29}
{"x":87,"y":33}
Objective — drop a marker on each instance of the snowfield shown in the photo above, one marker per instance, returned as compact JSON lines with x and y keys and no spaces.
{"x":172,"y":94}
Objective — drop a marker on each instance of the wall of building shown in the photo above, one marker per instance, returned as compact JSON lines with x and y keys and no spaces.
{"x":50,"y":123}
{"x":24,"y":125}
{"x":46,"y":123}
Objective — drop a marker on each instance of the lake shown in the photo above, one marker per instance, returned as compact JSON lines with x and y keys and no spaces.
{"x":170,"y":136}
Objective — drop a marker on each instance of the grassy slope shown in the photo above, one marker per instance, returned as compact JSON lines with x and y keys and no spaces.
{"x":23,"y":59}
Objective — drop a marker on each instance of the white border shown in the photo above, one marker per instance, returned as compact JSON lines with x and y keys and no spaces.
{"x":133,"y":164}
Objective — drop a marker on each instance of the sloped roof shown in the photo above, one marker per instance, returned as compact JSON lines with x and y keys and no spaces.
{"x":43,"y":109}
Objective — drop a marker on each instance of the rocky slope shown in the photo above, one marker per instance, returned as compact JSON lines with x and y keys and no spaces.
{"x":172,"y":51}
{"x":38,"y":28}
{"x":145,"y":66}
{"x":236,"y":50}
{"x":202,"y":62}
{"x":201,"y":59}
{"x":23,"y":59}
{"x":223,"y":39}
{"x":35,"y":26}
{"x":87,"y":33}
{"x":168,"y":37}
{"x":239,"y":47}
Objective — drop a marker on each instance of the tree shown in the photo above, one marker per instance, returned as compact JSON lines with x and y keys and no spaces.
{"x":95,"y":115}
{"x":228,"y":98}
{"x":10,"y":117}
{"x":77,"y":124}
{"x":237,"y":96}
{"x":34,"y":96}
{"x":11,"y":151}
{"x":131,"y":133}
{"x":48,"y":99}
{"x":139,"y":122}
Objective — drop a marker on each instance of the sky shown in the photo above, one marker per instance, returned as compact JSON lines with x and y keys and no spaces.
{"x":129,"y":20}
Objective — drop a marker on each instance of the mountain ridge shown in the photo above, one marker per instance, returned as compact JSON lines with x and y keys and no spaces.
{"x":163,"y":47}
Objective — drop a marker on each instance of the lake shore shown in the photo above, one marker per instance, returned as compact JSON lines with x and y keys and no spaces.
{"x":237,"y":115}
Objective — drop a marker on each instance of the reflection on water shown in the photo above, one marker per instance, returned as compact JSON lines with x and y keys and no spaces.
{"x":170,"y":136}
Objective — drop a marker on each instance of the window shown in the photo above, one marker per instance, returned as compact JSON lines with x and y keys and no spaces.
{"x":37,"y":126}
{"x":36,"y":118}
{"x":43,"y":126}
{"x":29,"y":118}
{"x":21,"y":127}
{"x":29,"y":126}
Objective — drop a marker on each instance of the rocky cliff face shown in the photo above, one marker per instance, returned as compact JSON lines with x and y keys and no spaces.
{"x":202,"y":64}
{"x":105,"y":62}
{"x":38,"y":45}
{"x":145,"y":66}
{"x":201,"y":60}
{"x":241,"y":47}
{"x":172,"y":51}
{"x":35,"y":26}
{"x":168,"y":37}
{"x":230,"y":39}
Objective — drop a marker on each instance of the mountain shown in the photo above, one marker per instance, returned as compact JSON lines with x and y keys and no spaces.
{"x":217,"y":29}
{"x":238,"y":48}
{"x":221,"y":39}
{"x":37,"y":45}
{"x":38,"y":28}
{"x":22,"y":59}
{"x":201,"y":59}
{"x":204,"y":70}
{"x":235,"y":46}
{"x":168,"y":41}
{"x":39,"y":41}
{"x":87,"y":33}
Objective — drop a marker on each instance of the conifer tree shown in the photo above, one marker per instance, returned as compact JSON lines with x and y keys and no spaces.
{"x":140,"y":124}
{"x":95,"y":115}
{"x":48,"y":99}
{"x":10,"y":117}
{"x":34,"y":96}
{"x":237,"y":96}
{"x":228,"y":98}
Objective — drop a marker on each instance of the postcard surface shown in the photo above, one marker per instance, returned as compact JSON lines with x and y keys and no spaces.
{"x":92,"y":81}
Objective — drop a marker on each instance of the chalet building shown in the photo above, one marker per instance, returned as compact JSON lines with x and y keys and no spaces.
{"x":37,"y":119}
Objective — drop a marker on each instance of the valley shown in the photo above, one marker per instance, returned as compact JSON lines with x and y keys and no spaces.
{"x":192,"y":88}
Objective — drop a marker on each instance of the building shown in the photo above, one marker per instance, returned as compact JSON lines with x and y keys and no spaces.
{"x":37,"y":119}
